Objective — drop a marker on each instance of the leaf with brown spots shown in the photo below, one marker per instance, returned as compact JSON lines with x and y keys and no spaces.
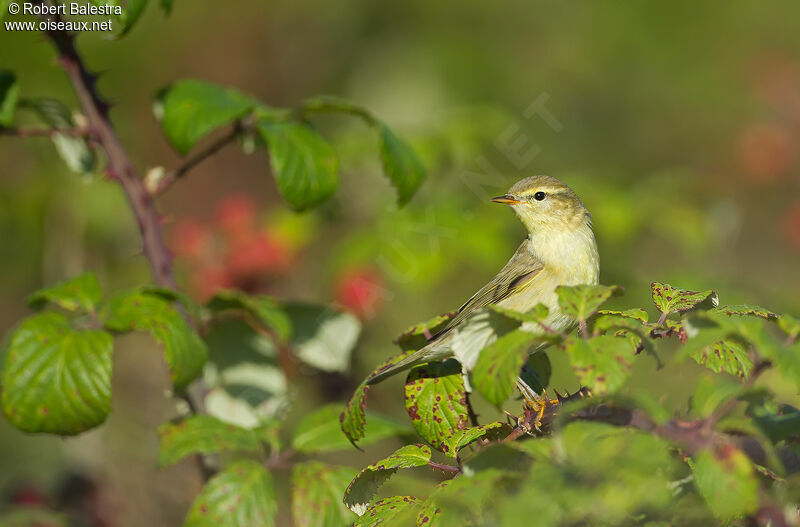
{"x":747,"y":310}
{"x":726,"y":479}
{"x":242,"y":494}
{"x":364,"y":486}
{"x":582,"y":301}
{"x":670,"y":299}
{"x":57,"y":379}
{"x":317,"y":490}
{"x":81,"y":293}
{"x":207,"y":435}
{"x":602,"y":363}
{"x":436,"y":401}
{"x":353,"y":418}
{"x":462,"y":438}
{"x":385,"y":511}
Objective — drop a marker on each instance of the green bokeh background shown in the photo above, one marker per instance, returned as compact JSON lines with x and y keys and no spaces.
{"x":677,"y":123}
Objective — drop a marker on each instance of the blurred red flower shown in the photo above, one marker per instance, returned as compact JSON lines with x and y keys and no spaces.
{"x":361,"y":290}
{"x":767,"y":151}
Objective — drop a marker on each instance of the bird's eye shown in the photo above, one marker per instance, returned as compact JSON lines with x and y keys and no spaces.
{"x":539,"y":196}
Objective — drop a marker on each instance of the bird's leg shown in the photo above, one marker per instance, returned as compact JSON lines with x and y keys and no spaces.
{"x":535,"y":405}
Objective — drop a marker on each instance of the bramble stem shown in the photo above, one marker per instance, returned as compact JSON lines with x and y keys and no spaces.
{"x":444,"y":468}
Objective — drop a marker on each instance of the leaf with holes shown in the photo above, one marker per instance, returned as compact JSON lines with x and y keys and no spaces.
{"x":670,"y":299}
{"x":242,"y":494}
{"x":191,"y":109}
{"x":499,"y":365}
{"x":303,"y":163}
{"x":81,"y":293}
{"x":317,"y":490}
{"x":602,"y":363}
{"x":185,"y":352}
{"x":400,"y":164}
{"x":207,"y":435}
{"x":57,"y":378}
{"x":9,"y":94}
{"x":436,"y":401}
{"x":727,"y":481}
{"x":385,"y":511}
{"x":582,"y":301}
{"x":264,"y":309}
{"x":364,"y":486}
{"x":323,"y":336}
{"x":354,"y":418}
{"x":320,"y":431}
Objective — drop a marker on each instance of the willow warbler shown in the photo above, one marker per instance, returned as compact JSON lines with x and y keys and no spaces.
{"x":560,"y":249}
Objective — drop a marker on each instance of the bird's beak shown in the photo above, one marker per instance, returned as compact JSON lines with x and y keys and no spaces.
{"x":507,"y":199}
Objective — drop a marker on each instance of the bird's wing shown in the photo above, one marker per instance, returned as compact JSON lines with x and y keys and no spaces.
{"x":520,"y":269}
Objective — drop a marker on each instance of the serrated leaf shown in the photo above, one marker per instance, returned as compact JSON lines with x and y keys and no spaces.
{"x":461,"y":438}
{"x":537,"y":314}
{"x":400,"y":164}
{"x":364,"y":486}
{"x":317,"y":490}
{"x":436,"y":401}
{"x":264,"y":309}
{"x":726,"y":355}
{"x":499,"y":365}
{"x":582,"y":301}
{"x":417,"y":335}
{"x":670,"y":299}
{"x":727,"y":481}
{"x":320,"y":431}
{"x":192,"y":109}
{"x":632,"y":319}
{"x":384,"y":511}
{"x":323,"y":336}
{"x":635,"y":314}
{"x":184,"y":351}
{"x":242,"y":494}
{"x":304,"y":165}
{"x":81,"y":293}
{"x":747,"y":310}
{"x":602,"y":363}
{"x":57,"y":379}
{"x":353,"y":418}
{"x":206,"y":435}
{"x":9,"y":93}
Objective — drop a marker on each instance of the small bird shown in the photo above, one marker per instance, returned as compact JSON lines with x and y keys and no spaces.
{"x":560,"y":249}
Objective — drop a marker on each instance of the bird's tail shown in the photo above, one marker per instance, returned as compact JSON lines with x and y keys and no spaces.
{"x":418,"y":357}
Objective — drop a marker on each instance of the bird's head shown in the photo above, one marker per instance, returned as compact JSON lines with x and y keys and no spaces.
{"x":544,"y":203}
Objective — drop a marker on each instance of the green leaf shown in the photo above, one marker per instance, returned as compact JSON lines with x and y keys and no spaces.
{"x":364,"y":486}
{"x":602,"y":363}
{"x":670,"y":299}
{"x":436,"y":401}
{"x":400,"y":164}
{"x":537,"y":370}
{"x":320,"y":431}
{"x":634,"y":314}
{"x":384,"y":511}
{"x":303,"y":163}
{"x":242,"y":494}
{"x":727,"y":481}
{"x":9,"y":93}
{"x":264,"y":309}
{"x":166,"y":6}
{"x":192,"y":109}
{"x":747,"y":310}
{"x":81,"y":293}
{"x":781,"y":423}
{"x":582,"y":301}
{"x":185,"y":352}
{"x":57,"y":379}
{"x":462,"y":438}
{"x":787,"y":362}
{"x":417,"y":335}
{"x":323,"y":336}
{"x":317,"y":490}
{"x":713,"y":391}
{"x":354,"y":418}
{"x":206,"y":435}
{"x":537,"y":314}
{"x":76,"y":152}
{"x":727,"y":355}
{"x":499,"y":365}
{"x":330,"y":103}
